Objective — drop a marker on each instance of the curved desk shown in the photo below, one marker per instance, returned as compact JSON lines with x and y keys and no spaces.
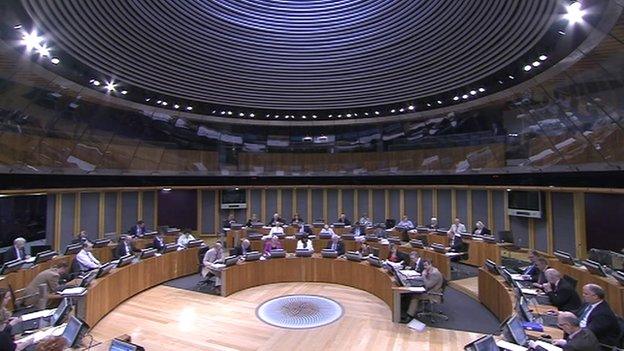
{"x":106,"y":293}
{"x":359,"y":275}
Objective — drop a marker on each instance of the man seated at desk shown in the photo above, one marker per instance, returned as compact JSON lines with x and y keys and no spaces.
{"x":358,"y":230}
{"x":213,"y":263}
{"x":276,"y":230}
{"x":185,"y":237}
{"x":253,"y":220}
{"x":540,"y":278}
{"x":80,"y":237}
{"x":305,"y":229}
{"x":272,"y":244}
{"x":415,"y":262}
{"x":327,"y":230}
{"x":138,"y":230}
{"x":229,"y":221}
{"x":305,"y":244}
{"x":242,"y":249}
{"x":577,"y":338}
{"x":275,"y":219}
{"x":458,"y":228}
{"x":562,"y":295}
{"x":85,"y":258}
{"x":336,"y":244}
{"x":124,"y":247}
{"x":365,"y":250}
{"x":433,"y":281}
{"x":296,"y":220}
{"x":456,"y":243}
{"x":343,"y":219}
{"x":159,"y":241}
{"x":50,"y":277}
{"x":597,"y":316}
{"x":481,"y":229}
{"x":17,"y":251}
{"x":531,"y":270}
{"x":365,"y":221}
{"x":404,"y":226}
{"x":433,"y":224}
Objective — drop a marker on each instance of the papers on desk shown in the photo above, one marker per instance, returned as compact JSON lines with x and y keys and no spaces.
{"x":30,"y":260}
{"x":453,"y":254}
{"x":77,"y":291}
{"x":409,"y":273}
{"x":38,"y":314}
{"x":505,"y":345}
{"x":416,"y":289}
{"x":417,"y":325}
{"x":517,"y":277}
{"x":218,"y":266}
{"x":547,"y":346}
{"x":530,"y":291}
{"x":40,"y":335}
{"x":395,"y":265}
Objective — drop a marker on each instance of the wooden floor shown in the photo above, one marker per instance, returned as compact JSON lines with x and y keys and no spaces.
{"x":166,"y":318}
{"x":469,"y":286}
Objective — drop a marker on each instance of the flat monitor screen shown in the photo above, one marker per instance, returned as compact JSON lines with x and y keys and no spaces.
{"x":118,"y":345}
{"x":524,"y":200}
{"x":487,"y":343}
{"x":72,"y":331}
{"x":516,"y":331}
{"x":524,"y":309}
{"x":60,"y":313}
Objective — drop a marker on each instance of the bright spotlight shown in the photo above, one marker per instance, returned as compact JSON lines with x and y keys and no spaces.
{"x":241,"y":114}
{"x":252,"y":115}
{"x":465,"y":96}
{"x":31,"y":40}
{"x":439,"y":102}
{"x":43,"y":50}
{"x":165,"y":103}
{"x":110,"y":86}
{"x":176,"y":106}
{"x":527,"y":68}
{"x":473,"y":92}
{"x":55,"y":60}
{"x":455,"y":98}
{"x":536,"y":63}
{"x":575,"y":13}
{"x":481,"y":90}
{"x":124,"y":92}
{"x":543,"y":58}
{"x":96,"y":83}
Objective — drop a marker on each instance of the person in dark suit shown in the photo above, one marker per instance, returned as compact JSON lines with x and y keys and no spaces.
{"x":228,"y":222}
{"x":343,"y":219}
{"x":138,"y":229}
{"x":597,"y":316}
{"x":531,"y":270}
{"x":481,"y":229}
{"x":455,"y":241}
{"x":415,"y":262}
{"x":358,"y":230}
{"x":578,"y":339}
{"x":242,"y":249}
{"x":275,"y":220}
{"x":562,"y":295}
{"x":297,"y":219}
{"x":336,"y":244}
{"x":124,"y":247}
{"x":539,"y":278}
{"x":251,"y":221}
{"x":433,"y":224}
{"x":159,"y":241}
{"x":17,"y":251}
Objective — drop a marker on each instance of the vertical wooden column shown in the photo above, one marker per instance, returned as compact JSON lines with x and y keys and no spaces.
{"x":550,"y":238}
{"x":580,"y":230}
{"x":101,"y":214}
{"x":200,"y":211}
{"x":77,"y":209}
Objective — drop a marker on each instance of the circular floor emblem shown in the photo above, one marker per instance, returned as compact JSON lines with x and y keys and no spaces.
{"x":299,"y":311}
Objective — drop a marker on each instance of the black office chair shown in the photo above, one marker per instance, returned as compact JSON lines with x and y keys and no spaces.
{"x":74,"y":269}
{"x":204,"y":281}
{"x":432,"y":302}
{"x":570,"y":280}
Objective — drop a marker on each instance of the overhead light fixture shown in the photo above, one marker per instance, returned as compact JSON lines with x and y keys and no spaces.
{"x":511,"y":77}
{"x":96,"y":82}
{"x":377,"y":112}
{"x":189,"y":108}
{"x":410,"y":107}
{"x":176,"y":106}
{"x":110,"y":86}
{"x":402,"y":110}
{"x":473,"y":92}
{"x":439,"y":102}
{"x":124,"y":92}
{"x":481,"y":90}
{"x":165,"y":103}
{"x":428,"y":105}
{"x":229,"y":113}
{"x":455,"y":98}
{"x":252,"y":115}
{"x":465,"y":96}
{"x":543,"y":58}
{"x":43,"y":50}
{"x":166,"y":190}
{"x":527,"y":68}
{"x":17,"y":26}
{"x":574,"y":13}
{"x":55,"y":60}
{"x":31,"y":40}
{"x":241,"y":114}
{"x":536,"y":63}
{"x":561,"y":32}
{"x":313,"y":116}
{"x":304,"y":117}
{"x":349,"y":115}
{"x":147,"y":100}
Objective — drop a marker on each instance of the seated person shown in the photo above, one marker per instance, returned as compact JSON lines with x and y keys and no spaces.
{"x":159,"y":241}
{"x":394,"y":255}
{"x":305,"y":229}
{"x":124,"y":247}
{"x":212,"y":259}
{"x":305,"y":243}
{"x":405,"y":223}
{"x":380,"y":231}
{"x":455,"y":241}
{"x":50,"y":277}
{"x":296,"y":219}
{"x":343,"y":219}
{"x":6,"y":339}
{"x":433,"y":224}
{"x":365,"y":249}
{"x":481,"y":229}
{"x":275,"y":219}
{"x":433,"y":281}
{"x":458,"y":228}
{"x":277,"y":230}
{"x":365,"y":221}
{"x":242,"y":249}
{"x":561,"y":293}
{"x":336,"y":244}
{"x":540,"y":278}
{"x":415,"y":262}
{"x":597,"y":316}
{"x":185,"y":237}
{"x":228,"y":222}
{"x":358,"y":230}
{"x":272,"y":244}
{"x":253,"y":220}
{"x":138,"y":229}
{"x":85,"y":258}
{"x":531,"y":270}
{"x":327,"y":230}
{"x":576,"y":338}
{"x":17,"y":251}
{"x":80,"y":237}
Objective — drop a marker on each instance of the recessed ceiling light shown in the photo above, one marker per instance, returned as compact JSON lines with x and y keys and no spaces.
{"x":512,"y":77}
{"x":465,"y":96}
{"x":252,"y":115}
{"x":96,"y":83}
{"x":159,"y":102}
{"x":392,"y":111}
{"x":165,"y":103}
{"x":349,"y":115}
{"x":222,"y":112}
{"x":410,"y":107}
{"x":455,"y":98}
{"x":17,"y":26}
{"x":229,"y":113}
{"x":313,"y":116}
{"x":402,"y":110}
{"x":189,"y":108}
{"x":439,"y":102}
{"x":377,"y":112}
{"x":147,"y":100}
{"x":176,"y":106}
{"x":473,"y":92}
{"x":241,"y":114}
{"x":481,"y":90}
{"x":536,"y":63}
{"x":124,"y":92}
{"x":55,"y":60}
{"x":428,"y":105}
{"x":543,"y":58}
{"x":527,"y":68}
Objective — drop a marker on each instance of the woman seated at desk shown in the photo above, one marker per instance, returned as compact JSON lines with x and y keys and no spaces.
{"x":272,"y":244}
{"x":481,"y":229}
{"x":305,"y":244}
{"x":394,"y":255}
{"x":326,"y":230}
{"x":296,"y":219}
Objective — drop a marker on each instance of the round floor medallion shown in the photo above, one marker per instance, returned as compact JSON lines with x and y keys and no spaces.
{"x":299,"y":311}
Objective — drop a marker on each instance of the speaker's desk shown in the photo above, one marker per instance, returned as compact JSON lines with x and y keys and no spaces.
{"x":360,"y":275}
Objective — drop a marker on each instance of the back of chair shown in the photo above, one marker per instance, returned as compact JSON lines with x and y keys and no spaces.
{"x":200,"y":256}
{"x":570,"y":280}
{"x":75,"y":269}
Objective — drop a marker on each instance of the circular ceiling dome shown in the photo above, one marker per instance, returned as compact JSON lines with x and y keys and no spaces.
{"x":296,"y":54}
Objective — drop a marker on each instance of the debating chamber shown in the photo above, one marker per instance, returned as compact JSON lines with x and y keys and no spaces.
{"x":222,"y":175}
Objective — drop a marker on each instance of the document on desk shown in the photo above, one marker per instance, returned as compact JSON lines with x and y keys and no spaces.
{"x":546,"y":346}
{"x":517,"y":276}
{"x":505,"y":345}
{"x":416,"y":289}
{"x":38,"y":314}
{"x":409,"y":273}
{"x":30,"y":260}
{"x":530,"y":291}
{"x":77,"y":291}
{"x":453,"y":254}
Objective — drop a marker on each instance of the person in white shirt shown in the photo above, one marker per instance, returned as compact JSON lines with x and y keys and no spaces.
{"x":184,"y":238}
{"x":85,"y":258}
{"x":276,"y":230}
{"x":212,"y":262}
{"x":365,"y":221}
{"x":305,"y":244}
{"x":327,"y":230}
{"x":458,"y":228}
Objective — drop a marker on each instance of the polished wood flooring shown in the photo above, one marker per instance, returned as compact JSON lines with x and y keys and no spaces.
{"x":469,"y":286}
{"x":166,"y":318}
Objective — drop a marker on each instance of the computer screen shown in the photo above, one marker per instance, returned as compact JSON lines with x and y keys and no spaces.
{"x":62,"y":309}
{"x":72,"y":331}
{"x":118,"y":345}
{"x":486,"y":343}
{"x":516,"y":331}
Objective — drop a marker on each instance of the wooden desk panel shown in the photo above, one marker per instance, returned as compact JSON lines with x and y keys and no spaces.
{"x":479,"y":251}
{"x":493,"y":293}
{"x":21,"y":278}
{"x":359,"y":275}
{"x":106,"y":293}
{"x":613,"y":289}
